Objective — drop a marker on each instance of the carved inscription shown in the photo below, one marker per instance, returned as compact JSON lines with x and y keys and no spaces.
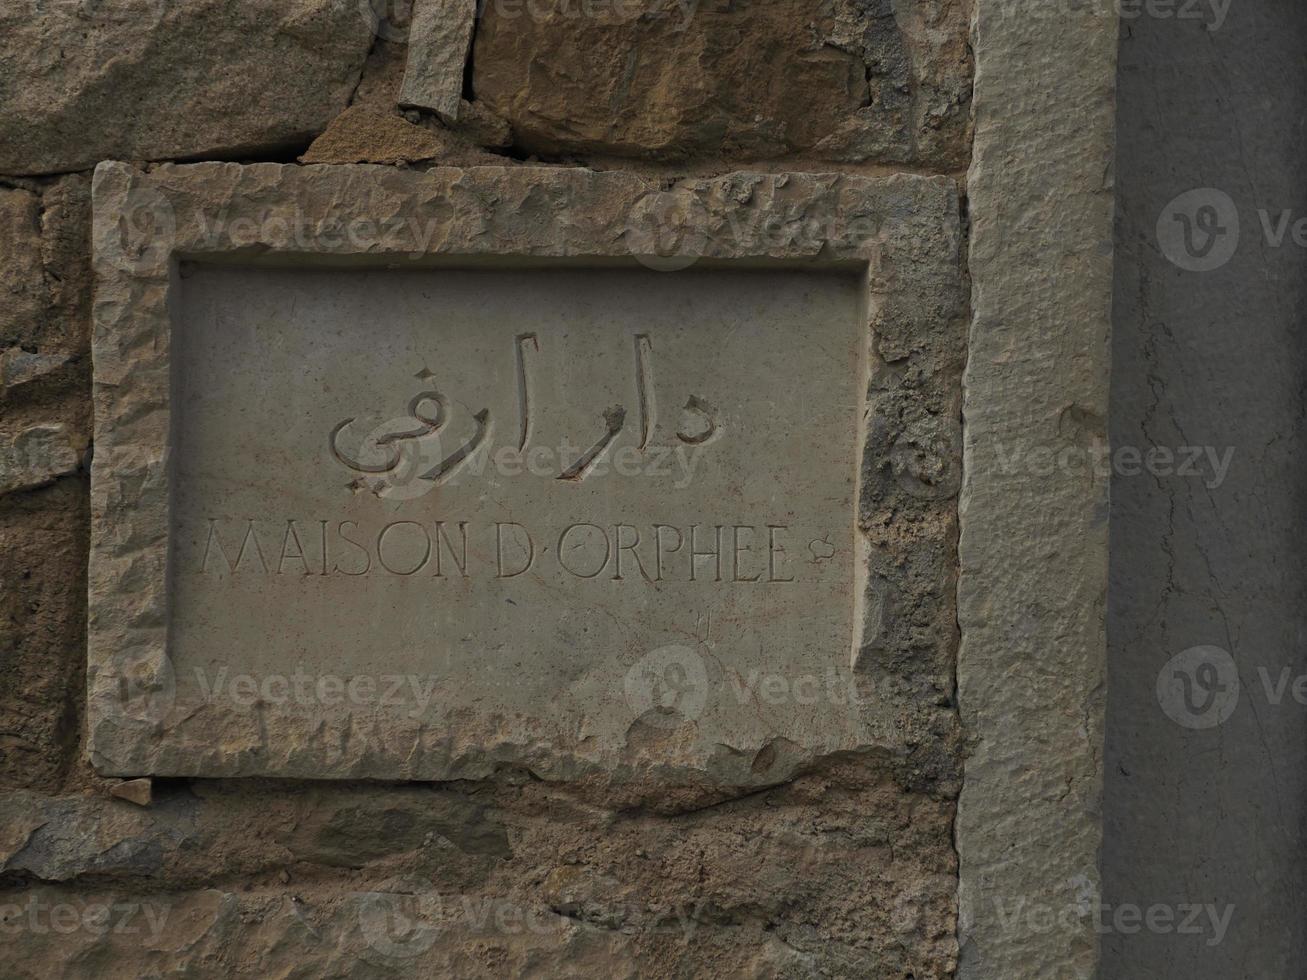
{"x":526,"y":487}
{"x":711,"y":553}
{"x":698,"y":425}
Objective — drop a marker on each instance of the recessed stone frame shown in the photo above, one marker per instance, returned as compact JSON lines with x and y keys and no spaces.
{"x":899,"y":235}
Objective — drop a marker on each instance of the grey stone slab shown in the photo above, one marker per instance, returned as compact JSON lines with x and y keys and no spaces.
{"x":1033,"y":546}
{"x":248,"y":408}
{"x":621,"y":482}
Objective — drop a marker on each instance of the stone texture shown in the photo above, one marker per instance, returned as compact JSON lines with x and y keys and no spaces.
{"x":836,"y":874}
{"x":18,"y":367}
{"x":352,"y":830}
{"x":138,"y":791}
{"x":22,"y":280}
{"x":919,"y":68}
{"x":478,"y":124}
{"x":382,"y":74}
{"x":148,"y":81}
{"x":356,"y":136}
{"x":42,"y":629}
{"x":440,"y":35}
{"x":782,"y":862}
{"x":60,"y":838}
{"x":674,"y":81}
{"x":369,"y":134}
{"x":906,"y":226}
{"x":362,"y":134}
{"x":66,"y":256}
{"x":1033,"y":547}
{"x":39,"y":455}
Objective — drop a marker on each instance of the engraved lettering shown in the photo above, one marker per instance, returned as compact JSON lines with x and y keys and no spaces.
{"x":367,"y":558}
{"x":460,"y":557}
{"x":698,"y":422}
{"x":524,"y":389}
{"x":644,"y":386}
{"x":245,"y":542}
{"x":356,"y":465}
{"x":212,"y":540}
{"x":623,"y":551}
{"x":292,"y":536}
{"x":614,"y":419}
{"x":617,"y":537}
{"x":658,"y":547}
{"x":429,"y":425}
{"x":715,"y":554}
{"x":736,"y":550}
{"x":529,"y":549}
{"x":565,"y":550}
{"x":381,"y":547}
{"x":442,"y":470}
{"x":774,"y":552}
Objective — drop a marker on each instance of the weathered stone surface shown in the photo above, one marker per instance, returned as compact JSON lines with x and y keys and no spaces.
{"x":919,"y":69}
{"x":881,"y":81}
{"x":42,"y":629}
{"x":364,"y":134}
{"x":481,"y":126}
{"x":837,"y":874}
{"x":371,"y":134}
{"x":138,"y":791}
{"x":18,"y":367}
{"x":144,"y":80}
{"x":23,"y":295}
{"x":613,"y":717}
{"x":66,"y":255}
{"x":1033,"y":549}
{"x":39,"y":455}
{"x":60,"y":838}
{"x":350,"y":830}
{"x":382,"y":74}
{"x":439,"y":37}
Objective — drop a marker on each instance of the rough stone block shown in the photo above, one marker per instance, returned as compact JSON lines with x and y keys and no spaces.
{"x":143,"y":80}
{"x":767,"y":78}
{"x":39,"y":455}
{"x":440,"y":35}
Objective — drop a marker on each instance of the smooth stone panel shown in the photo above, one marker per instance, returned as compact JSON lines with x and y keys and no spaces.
{"x":613,"y":502}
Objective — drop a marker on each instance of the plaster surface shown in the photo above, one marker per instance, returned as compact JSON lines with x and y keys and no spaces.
{"x":1206,"y":796}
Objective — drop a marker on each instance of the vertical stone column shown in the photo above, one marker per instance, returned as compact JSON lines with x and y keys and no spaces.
{"x":1033,"y":546}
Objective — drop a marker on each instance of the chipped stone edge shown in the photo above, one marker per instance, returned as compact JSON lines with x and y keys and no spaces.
{"x":440,"y":38}
{"x":912,"y":268}
{"x":1033,"y":547}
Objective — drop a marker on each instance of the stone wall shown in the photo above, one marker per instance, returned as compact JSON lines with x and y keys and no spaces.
{"x":846,"y":868}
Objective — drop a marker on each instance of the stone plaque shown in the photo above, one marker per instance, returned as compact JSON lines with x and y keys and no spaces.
{"x":495,"y":500}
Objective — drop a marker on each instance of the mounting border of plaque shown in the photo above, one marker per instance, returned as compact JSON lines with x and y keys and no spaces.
{"x":902,"y":233}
